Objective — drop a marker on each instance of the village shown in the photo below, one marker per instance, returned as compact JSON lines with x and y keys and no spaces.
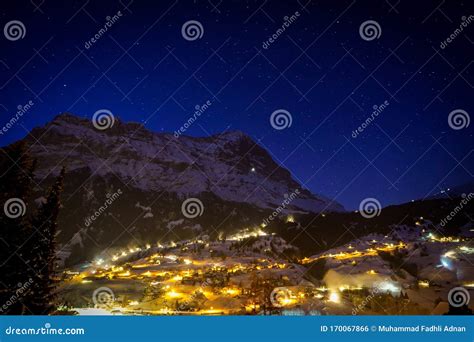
{"x":406,"y":272}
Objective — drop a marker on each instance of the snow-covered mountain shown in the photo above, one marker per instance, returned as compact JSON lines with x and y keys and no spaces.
{"x":125,"y":185}
{"x":231,"y":165}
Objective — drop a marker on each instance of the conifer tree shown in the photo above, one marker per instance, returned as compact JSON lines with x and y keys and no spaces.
{"x":16,"y":174}
{"x":42,"y":296}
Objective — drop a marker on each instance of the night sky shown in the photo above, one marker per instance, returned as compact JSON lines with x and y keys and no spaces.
{"x":319,"y":69}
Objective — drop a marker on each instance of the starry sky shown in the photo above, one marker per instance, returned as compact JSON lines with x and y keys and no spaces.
{"x":320,"y":70}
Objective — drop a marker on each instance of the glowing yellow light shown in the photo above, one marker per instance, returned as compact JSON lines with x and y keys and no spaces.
{"x":173,"y":294}
{"x":133,"y":302}
{"x":334,"y":297}
{"x":187,"y":261}
{"x":290,"y":219}
{"x":177,"y":278}
{"x":423,"y":283}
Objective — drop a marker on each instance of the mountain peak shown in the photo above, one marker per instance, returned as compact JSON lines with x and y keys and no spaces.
{"x":231,"y":165}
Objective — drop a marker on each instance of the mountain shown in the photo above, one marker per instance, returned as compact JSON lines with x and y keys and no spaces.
{"x":134,"y":181}
{"x":457,"y":191}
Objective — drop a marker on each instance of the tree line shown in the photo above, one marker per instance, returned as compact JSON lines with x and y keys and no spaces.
{"x":28,"y":279}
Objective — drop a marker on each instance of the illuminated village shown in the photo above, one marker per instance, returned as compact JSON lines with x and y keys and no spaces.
{"x":249,"y":274}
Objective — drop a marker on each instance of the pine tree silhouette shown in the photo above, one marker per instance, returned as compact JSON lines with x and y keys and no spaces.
{"x":16,"y":172}
{"x":27,"y":243}
{"x":42,"y":295}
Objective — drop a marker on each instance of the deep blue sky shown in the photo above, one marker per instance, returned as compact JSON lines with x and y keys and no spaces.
{"x":164,"y":76}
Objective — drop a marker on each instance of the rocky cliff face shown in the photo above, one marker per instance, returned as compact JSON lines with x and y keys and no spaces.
{"x":232,"y":175}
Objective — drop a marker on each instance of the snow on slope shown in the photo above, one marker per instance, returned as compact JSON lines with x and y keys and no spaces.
{"x":230,"y":165}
